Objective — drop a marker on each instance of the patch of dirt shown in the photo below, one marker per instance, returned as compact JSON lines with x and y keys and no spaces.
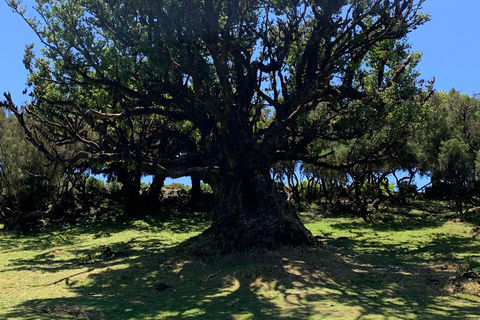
{"x":475,"y":231}
{"x":455,"y":283}
{"x":464,"y":285}
{"x":77,"y":311}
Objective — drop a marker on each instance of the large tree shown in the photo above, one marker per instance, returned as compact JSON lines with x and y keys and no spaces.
{"x":224,"y":83}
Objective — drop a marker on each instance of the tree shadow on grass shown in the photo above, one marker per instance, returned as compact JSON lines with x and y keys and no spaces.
{"x":399,"y":220}
{"x":174,"y":221}
{"x":53,"y":236}
{"x":146,"y":280}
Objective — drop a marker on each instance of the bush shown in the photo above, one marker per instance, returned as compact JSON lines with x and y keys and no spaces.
{"x":178,"y":186}
{"x":407,"y":189}
{"x":93,"y":183}
{"x":206,"y":187}
{"x":114,"y":187}
{"x":470,"y":268}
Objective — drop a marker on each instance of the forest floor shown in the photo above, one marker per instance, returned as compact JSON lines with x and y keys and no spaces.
{"x":409,"y":263}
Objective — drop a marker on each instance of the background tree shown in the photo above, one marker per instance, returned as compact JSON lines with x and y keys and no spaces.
{"x":449,"y":140}
{"x":31,"y":187}
{"x":457,"y":169}
{"x":324,"y":184}
{"x":119,"y":77}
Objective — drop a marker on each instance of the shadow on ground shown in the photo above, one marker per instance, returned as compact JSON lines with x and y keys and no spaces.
{"x":145,"y":279}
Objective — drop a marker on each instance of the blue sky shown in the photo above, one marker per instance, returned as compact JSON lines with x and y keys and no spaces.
{"x":450,"y":43}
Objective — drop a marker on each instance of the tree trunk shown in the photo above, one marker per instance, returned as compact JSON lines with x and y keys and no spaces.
{"x":359,"y":204}
{"x":251,"y":213}
{"x":196,"y":191}
{"x":131,"y":183}
{"x":459,"y":208}
{"x":153,"y":196}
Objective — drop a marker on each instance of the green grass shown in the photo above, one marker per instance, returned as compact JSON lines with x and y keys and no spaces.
{"x":401,"y":266}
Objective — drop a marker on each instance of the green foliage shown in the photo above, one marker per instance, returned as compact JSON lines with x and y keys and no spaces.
{"x":28,"y":181}
{"x":179,"y":186}
{"x":469,"y":268}
{"x":405,"y":188}
{"x":206,"y":187}
{"x":93,"y":183}
{"x":456,"y":165}
{"x":365,"y":144}
{"x":113,"y":186}
{"x":449,"y":141}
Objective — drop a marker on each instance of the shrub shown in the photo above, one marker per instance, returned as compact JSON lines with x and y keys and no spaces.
{"x":114,"y":187}
{"x":93,"y":183}
{"x":176,"y":185}
{"x":206,"y":187}
{"x":469,"y":268}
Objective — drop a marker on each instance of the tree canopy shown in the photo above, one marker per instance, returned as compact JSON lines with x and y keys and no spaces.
{"x":222,"y":90}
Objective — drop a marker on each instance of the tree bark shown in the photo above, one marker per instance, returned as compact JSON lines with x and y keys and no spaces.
{"x":153,"y":196}
{"x":251,"y":213}
{"x":196,"y":191}
{"x":131,"y":183}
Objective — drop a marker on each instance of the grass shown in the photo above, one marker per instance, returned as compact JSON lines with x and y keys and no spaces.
{"x":400,"y":266}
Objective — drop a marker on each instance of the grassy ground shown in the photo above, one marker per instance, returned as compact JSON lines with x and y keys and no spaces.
{"x":402,"y":266}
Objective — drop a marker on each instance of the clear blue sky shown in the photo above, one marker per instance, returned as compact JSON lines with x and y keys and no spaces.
{"x":450,"y":43}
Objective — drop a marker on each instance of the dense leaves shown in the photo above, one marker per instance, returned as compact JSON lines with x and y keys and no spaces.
{"x":29,"y":184}
{"x":450,"y":147}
